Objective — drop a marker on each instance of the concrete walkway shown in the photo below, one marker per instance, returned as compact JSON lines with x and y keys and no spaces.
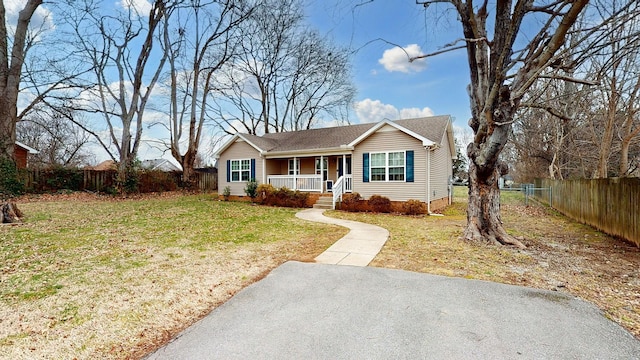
{"x":357,"y":248}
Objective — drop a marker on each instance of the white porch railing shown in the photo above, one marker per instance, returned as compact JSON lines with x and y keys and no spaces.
{"x":297,"y":182}
{"x":338,"y":190}
{"x":348,"y":183}
{"x":342,"y":185}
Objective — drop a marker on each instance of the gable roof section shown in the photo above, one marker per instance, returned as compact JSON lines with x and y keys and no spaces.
{"x":258,"y":143}
{"x":436,"y":129}
{"x":430,"y":130}
{"x":427,"y":130}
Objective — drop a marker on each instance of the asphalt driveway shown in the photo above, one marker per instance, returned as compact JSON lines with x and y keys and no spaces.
{"x":317,"y":311}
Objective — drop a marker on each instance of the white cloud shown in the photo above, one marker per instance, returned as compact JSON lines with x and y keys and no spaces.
{"x":397,"y":59}
{"x":412,"y":113}
{"x":41,"y":21}
{"x":369,"y":110}
{"x":141,"y":7}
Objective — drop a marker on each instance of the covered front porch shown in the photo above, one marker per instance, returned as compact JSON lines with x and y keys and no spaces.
{"x":311,"y":173}
{"x":309,"y":183}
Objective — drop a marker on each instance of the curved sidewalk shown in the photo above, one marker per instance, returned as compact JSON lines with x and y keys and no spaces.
{"x":357,"y":248}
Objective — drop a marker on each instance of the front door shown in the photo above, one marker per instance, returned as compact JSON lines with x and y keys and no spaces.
{"x":340,"y":165}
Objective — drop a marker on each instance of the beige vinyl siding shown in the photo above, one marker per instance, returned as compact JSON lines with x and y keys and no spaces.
{"x":238,"y":150}
{"x":277,"y":167}
{"x":307,"y":166}
{"x":441,"y":169}
{"x":391,"y":139}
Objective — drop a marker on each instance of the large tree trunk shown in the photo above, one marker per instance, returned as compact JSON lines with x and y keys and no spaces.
{"x":7,"y":128}
{"x":188,"y":161}
{"x":483,"y":213}
{"x":11,"y":61}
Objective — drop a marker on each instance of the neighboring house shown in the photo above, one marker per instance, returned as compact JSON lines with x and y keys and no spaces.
{"x":21,"y":153}
{"x":159,"y":164}
{"x":402,"y":160}
{"x":104,"y":166}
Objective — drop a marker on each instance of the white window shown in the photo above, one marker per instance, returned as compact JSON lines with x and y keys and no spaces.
{"x":379,"y":167}
{"x":294,"y":170}
{"x":387,"y":166}
{"x":240,"y":170}
{"x":396,"y":166}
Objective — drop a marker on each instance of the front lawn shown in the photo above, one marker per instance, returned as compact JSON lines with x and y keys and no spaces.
{"x":92,"y":277}
{"x":561,"y":255}
{"x":98,"y":277}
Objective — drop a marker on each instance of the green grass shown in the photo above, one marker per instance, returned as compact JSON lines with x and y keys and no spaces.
{"x":62,"y":240}
{"x":121,"y":263}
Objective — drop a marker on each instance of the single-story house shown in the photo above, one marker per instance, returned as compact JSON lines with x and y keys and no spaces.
{"x":21,"y":153}
{"x":402,"y":160}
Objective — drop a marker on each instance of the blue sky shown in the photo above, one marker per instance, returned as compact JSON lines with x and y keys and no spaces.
{"x":387,"y":83}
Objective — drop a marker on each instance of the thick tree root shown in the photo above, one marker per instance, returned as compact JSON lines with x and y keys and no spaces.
{"x":493,"y":236}
{"x":9,"y":213}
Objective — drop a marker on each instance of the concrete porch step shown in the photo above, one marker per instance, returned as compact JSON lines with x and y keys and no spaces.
{"x":324,"y":202}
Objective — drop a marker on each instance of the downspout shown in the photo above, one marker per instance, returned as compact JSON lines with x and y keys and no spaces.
{"x":428,"y":148}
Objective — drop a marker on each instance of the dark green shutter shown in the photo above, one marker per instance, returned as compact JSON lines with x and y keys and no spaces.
{"x":409,"y":165}
{"x":253,"y":170}
{"x":228,"y":170}
{"x":365,"y":167}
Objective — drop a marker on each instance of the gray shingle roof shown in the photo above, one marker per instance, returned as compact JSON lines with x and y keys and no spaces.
{"x":432,"y":128}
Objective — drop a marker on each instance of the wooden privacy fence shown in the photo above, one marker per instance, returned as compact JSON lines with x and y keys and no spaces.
{"x":207,"y":181}
{"x":36,"y":180}
{"x":611,"y":205}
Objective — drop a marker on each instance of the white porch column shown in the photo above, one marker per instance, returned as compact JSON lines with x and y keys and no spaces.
{"x":264,"y":168}
{"x":295,"y":173}
{"x":344,"y":165}
{"x":322,"y":173}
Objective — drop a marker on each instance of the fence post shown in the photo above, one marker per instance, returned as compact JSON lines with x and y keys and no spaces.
{"x":550,"y":196}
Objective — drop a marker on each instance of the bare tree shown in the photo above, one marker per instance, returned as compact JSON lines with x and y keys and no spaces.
{"x":12,"y":54}
{"x":202,"y":43}
{"x":550,"y":128}
{"x":619,"y":73}
{"x":59,"y":141}
{"x":286,"y":75}
{"x":501,"y":73}
{"x":579,"y":130}
{"x":126,"y":68}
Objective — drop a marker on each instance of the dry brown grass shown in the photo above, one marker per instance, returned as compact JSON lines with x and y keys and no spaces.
{"x":102,"y":278}
{"x":561,"y":255}
{"x":90,"y":277}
